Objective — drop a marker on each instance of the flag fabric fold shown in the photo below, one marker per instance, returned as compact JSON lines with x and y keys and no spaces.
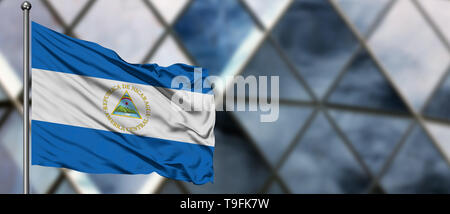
{"x":94,"y":112}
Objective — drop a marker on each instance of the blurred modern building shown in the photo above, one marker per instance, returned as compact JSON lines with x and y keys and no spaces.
{"x":364,"y":90}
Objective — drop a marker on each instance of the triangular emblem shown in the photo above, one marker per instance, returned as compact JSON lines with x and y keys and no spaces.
{"x":126,"y":107}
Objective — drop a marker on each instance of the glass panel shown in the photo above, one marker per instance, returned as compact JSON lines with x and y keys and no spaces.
{"x":308,"y":33}
{"x":169,"y":9}
{"x":267,"y":62}
{"x":68,"y":10}
{"x":11,"y":137}
{"x":213,"y":30}
{"x":9,"y":79}
{"x":274,"y":138}
{"x":363,"y":85}
{"x":41,"y":178}
{"x":11,"y":154}
{"x":441,"y":133}
{"x":127,"y":27}
{"x":439,"y":106}
{"x":82,"y":181}
{"x":321,"y":163}
{"x":374,"y":137}
{"x":438,"y":10}
{"x":119,"y":183}
{"x":233,"y":159}
{"x":169,"y":53}
{"x":11,"y":175}
{"x":11,"y":30}
{"x":415,"y":59}
{"x":170,"y":187}
{"x":275,"y":188}
{"x":2,"y":111}
{"x":65,"y":188}
{"x":362,"y":13}
{"x":267,"y":10}
{"x":418,"y":168}
{"x":3,"y":96}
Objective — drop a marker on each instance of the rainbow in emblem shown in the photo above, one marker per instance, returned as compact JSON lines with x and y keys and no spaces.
{"x":126,"y":107}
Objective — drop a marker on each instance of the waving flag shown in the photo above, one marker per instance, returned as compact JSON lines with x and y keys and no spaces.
{"x":94,"y":112}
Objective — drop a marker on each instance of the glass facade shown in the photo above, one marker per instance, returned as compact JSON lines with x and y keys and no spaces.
{"x":364,"y":90}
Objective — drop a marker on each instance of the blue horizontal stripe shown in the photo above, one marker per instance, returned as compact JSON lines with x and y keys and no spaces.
{"x":57,"y":52}
{"x":97,"y":151}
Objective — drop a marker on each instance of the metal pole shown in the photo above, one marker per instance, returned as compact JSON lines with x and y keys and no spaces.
{"x":26,"y":7}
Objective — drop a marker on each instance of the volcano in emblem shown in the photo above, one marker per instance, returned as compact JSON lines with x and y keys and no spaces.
{"x":126,"y":107}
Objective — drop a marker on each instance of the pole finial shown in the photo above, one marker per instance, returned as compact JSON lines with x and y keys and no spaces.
{"x":26,"y":5}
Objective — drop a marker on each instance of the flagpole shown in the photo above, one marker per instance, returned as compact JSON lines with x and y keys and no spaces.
{"x":26,"y":7}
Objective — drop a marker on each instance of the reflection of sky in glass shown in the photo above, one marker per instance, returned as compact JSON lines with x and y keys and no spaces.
{"x":439,"y":106}
{"x":438,"y":10}
{"x":267,"y":10}
{"x":418,"y":168}
{"x":275,"y":188}
{"x":212,"y":30}
{"x":2,"y":113}
{"x":362,"y":12}
{"x":10,"y":174}
{"x":441,"y":133}
{"x":124,"y":26}
{"x":373,"y":137}
{"x":116,"y":183}
{"x":416,"y":59}
{"x":11,"y":144}
{"x":237,"y":166}
{"x":170,"y":187}
{"x":169,"y":54}
{"x":65,"y":188}
{"x":11,"y":30}
{"x":68,"y":9}
{"x":169,"y":9}
{"x":274,"y":138}
{"x":11,"y":141}
{"x":2,"y":95}
{"x":268,"y":63}
{"x":316,"y":40}
{"x":363,"y":85}
{"x":321,"y":163}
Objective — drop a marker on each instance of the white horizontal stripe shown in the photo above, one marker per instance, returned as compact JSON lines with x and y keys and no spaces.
{"x":78,"y":101}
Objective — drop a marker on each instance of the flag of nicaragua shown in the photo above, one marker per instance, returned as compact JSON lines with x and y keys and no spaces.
{"x":94,"y":112}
